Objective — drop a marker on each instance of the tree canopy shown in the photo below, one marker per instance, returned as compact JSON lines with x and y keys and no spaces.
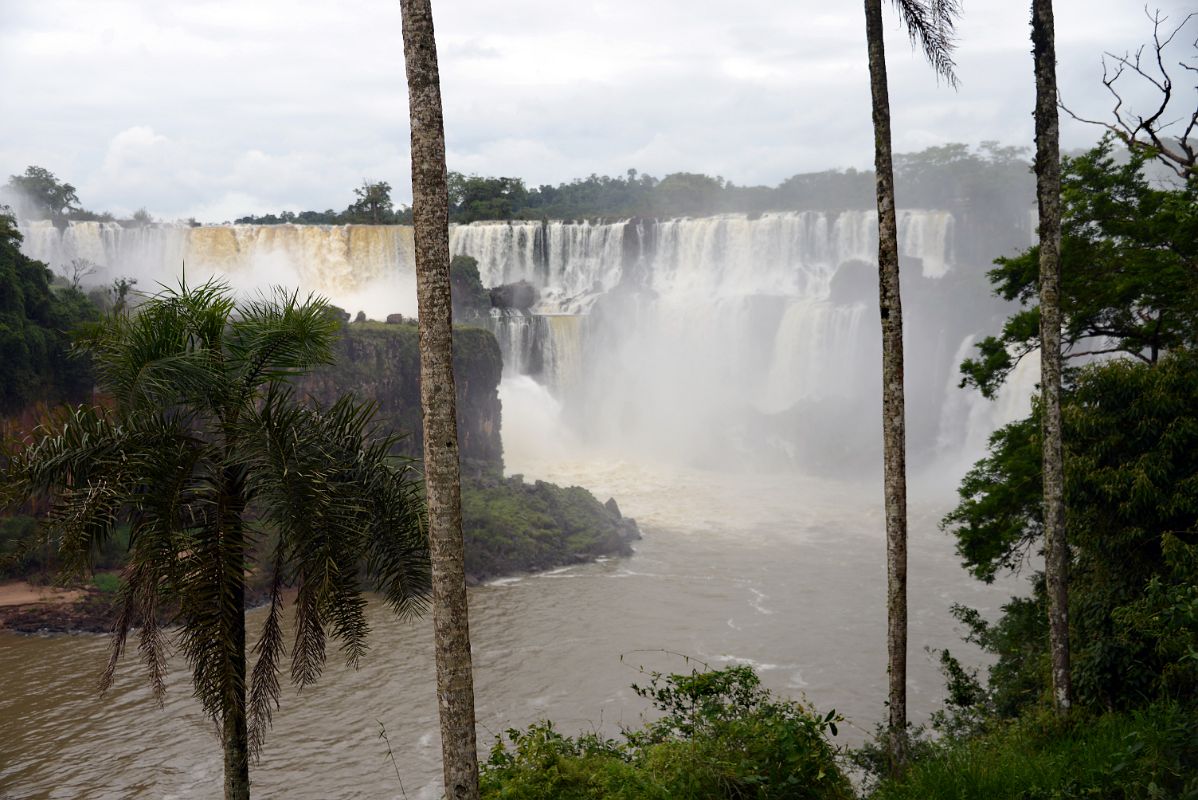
{"x":1129,"y":270}
{"x":35,"y":320}
{"x":1129,"y":296}
{"x":47,"y":197}
{"x":955,"y":177}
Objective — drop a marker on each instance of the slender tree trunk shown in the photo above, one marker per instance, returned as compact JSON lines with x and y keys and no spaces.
{"x":1048,"y":195}
{"x":234,"y":732}
{"x":430,"y":212}
{"x":894,"y":436}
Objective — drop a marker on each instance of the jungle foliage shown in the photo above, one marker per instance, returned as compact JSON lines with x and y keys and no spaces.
{"x":1130,"y":430}
{"x":720,"y":736}
{"x":35,"y":320}
{"x":953,"y":177}
{"x":1129,"y":270}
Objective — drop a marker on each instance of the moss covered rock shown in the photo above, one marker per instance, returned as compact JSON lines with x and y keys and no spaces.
{"x":513,"y":526}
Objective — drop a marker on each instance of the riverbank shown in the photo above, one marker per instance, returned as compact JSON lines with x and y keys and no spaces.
{"x":27,"y":607}
{"x":512,"y":528}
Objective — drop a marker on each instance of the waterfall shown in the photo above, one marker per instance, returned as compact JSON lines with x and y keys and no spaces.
{"x":521,"y":337}
{"x":699,"y":336}
{"x":563,"y":353}
{"x":358,"y":266}
{"x":967,"y":419}
{"x":814,"y":344}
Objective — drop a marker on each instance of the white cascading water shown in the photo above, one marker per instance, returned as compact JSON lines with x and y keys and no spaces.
{"x":360,"y":266}
{"x":691,"y":337}
{"x":689,"y":325}
{"x":967,"y":419}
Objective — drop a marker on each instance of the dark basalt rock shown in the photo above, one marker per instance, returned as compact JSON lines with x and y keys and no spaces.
{"x":521,"y":295}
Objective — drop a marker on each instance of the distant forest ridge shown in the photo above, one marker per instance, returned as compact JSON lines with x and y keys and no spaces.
{"x":955,"y":177}
{"x":989,"y":179}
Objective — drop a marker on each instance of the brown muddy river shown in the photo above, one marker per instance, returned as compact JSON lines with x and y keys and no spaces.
{"x":780,"y":572}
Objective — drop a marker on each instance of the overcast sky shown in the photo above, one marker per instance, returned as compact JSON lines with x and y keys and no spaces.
{"x":214,"y":108}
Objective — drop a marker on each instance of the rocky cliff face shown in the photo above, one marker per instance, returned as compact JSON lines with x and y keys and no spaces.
{"x":510,"y":526}
{"x":381,"y":363}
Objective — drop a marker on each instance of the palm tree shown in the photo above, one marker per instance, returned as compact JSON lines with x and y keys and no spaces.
{"x":930,"y":23}
{"x":1048,"y":196}
{"x":220,"y":473}
{"x":430,"y":219}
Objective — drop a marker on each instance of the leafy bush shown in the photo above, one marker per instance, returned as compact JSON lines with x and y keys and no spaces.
{"x":1148,"y":753}
{"x":721,"y":736}
{"x":1131,"y":486}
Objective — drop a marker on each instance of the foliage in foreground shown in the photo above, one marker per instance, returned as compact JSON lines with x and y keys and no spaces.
{"x":1148,"y":753}
{"x":721,"y":736}
{"x":1132,"y":489}
{"x":203,"y":456}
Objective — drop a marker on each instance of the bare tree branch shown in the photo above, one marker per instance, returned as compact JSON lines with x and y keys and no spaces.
{"x":74,"y":272}
{"x":1147,"y":134}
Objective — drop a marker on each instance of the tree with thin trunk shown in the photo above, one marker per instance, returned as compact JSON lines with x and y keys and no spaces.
{"x":219,"y":473}
{"x":430,"y":219}
{"x":930,"y":23}
{"x":1048,"y":197}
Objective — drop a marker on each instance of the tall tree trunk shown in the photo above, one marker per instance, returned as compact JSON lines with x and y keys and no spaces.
{"x":894,"y":437}
{"x":1048,"y":196}
{"x":234,"y":732}
{"x":430,"y":216}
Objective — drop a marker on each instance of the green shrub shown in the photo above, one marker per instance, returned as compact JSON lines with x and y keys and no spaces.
{"x":515,"y":526}
{"x":1147,"y":753}
{"x":721,"y":736}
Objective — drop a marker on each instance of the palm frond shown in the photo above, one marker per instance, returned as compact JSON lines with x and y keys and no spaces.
{"x":277,"y":336}
{"x":931,"y":25}
{"x":270,"y":650}
{"x":205,"y":436}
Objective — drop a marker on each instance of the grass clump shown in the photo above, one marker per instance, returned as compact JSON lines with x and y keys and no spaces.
{"x":721,"y":736}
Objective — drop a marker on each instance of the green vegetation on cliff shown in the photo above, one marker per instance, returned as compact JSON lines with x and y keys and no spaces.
{"x":35,"y":319}
{"x":954,"y":177}
{"x":380,"y":363}
{"x":513,"y":526}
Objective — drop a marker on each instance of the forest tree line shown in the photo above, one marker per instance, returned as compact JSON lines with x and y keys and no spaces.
{"x":950,"y":177}
{"x":956,"y":177}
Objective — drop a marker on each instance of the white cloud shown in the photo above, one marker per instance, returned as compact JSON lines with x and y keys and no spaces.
{"x":194,"y":108}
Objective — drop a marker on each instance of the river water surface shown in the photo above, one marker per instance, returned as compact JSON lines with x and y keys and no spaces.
{"x":782,"y":572}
